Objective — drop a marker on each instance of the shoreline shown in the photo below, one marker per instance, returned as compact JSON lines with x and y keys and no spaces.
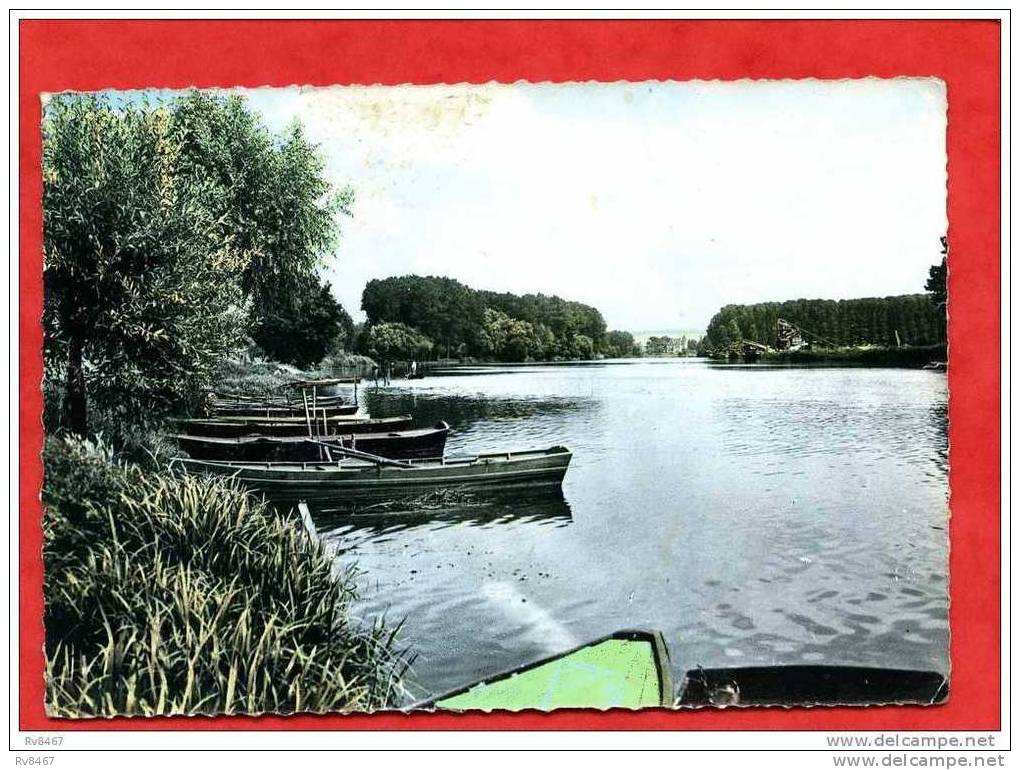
{"x":902,"y":357}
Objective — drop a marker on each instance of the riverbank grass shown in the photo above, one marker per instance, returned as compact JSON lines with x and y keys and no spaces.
{"x":172,"y":595}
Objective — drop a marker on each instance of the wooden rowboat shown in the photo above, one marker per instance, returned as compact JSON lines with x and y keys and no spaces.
{"x":226,"y":398}
{"x":223,"y":409}
{"x":815,"y":685}
{"x":357,"y":475}
{"x":234,"y":427}
{"x":300,"y":419}
{"x":323,"y":382}
{"x":628,"y":669}
{"x":399,"y":445}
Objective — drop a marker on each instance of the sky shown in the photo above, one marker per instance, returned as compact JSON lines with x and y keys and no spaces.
{"x":656,"y":202}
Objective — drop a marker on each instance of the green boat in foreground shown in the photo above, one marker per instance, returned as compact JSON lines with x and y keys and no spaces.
{"x":628,"y":669}
{"x":631,"y":670}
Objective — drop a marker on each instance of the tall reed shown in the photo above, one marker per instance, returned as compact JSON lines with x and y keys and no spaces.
{"x":179,"y":595}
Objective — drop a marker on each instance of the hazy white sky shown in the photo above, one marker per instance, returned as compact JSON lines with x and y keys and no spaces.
{"x":655,"y":202}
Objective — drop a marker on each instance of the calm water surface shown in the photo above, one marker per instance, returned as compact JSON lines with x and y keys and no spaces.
{"x":754,"y":515}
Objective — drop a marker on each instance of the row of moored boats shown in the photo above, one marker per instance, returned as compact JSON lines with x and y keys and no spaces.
{"x":299,"y":442}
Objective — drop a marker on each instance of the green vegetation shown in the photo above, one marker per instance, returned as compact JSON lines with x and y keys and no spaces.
{"x":444,"y":310}
{"x":510,"y":339}
{"x":671,"y":346}
{"x":178,"y":595}
{"x":461,"y":321}
{"x":174,"y":235}
{"x":170,"y":233}
{"x":936,"y":287}
{"x":274,"y":202}
{"x":303,"y":326}
{"x":578,"y":330}
{"x":888,"y":321}
{"x":396,"y":341}
{"x":621,"y":344}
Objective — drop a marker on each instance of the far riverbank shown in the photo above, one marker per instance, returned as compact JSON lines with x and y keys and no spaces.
{"x":908,"y":356}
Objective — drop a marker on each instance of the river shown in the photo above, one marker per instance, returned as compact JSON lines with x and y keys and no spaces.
{"x":755,"y":515}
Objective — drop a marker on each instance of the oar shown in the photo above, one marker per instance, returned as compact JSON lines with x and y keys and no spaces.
{"x":357,"y":454}
{"x":308,"y":418}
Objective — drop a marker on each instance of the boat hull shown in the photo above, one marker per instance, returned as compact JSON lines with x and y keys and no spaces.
{"x":814,"y":685}
{"x":358,"y":479}
{"x":237,"y":427}
{"x":268,"y":412}
{"x":397,"y":445}
{"x":628,"y":669}
{"x":219,"y":398}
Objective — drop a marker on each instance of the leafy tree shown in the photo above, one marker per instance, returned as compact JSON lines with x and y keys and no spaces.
{"x":301,"y":327}
{"x":581,"y":346}
{"x":620,"y":344}
{"x":276,"y":205}
{"x":564,"y":318}
{"x":169,"y":230}
{"x":936,"y":283}
{"x":508,"y":339}
{"x":453,"y":314}
{"x":666,"y":346}
{"x":443,"y":309}
{"x":141,"y":295}
{"x":397,"y":342}
{"x":734,"y":334}
{"x":936,"y":287}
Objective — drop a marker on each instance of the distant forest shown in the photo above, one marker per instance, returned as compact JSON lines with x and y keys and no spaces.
{"x":831,"y":323}
{"x":433,"y":317}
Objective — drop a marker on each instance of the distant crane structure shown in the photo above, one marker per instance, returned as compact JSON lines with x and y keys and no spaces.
{"x":789,"y":337}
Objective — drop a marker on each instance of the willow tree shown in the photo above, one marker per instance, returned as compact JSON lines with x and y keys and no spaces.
{"x":140,"y":295}
{"x":277,"y":205}
{"x":168,"y":229}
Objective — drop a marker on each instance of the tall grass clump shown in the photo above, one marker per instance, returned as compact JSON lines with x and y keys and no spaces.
{"x":173,"y":595}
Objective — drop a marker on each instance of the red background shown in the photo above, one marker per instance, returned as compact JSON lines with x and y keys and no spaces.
{"x":87,"y":55}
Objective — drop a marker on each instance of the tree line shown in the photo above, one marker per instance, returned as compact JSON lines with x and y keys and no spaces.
{"x":912,"y":319}
{"x":415,"y":316}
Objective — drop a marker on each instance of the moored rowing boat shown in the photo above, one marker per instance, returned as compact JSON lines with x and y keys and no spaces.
{"x":233,"y":427}
{"x":628,"y":669}
{"x":273,"y":411}
{"x":218,"y":397}
{"x":366,"y":476}
{"x":400,"y":445}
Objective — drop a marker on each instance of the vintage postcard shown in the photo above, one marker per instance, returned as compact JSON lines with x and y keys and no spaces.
{"x":494,"y":397}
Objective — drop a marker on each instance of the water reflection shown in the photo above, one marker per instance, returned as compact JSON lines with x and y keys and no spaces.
{"x":538,"y":507}
{"x":465,"y":410}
